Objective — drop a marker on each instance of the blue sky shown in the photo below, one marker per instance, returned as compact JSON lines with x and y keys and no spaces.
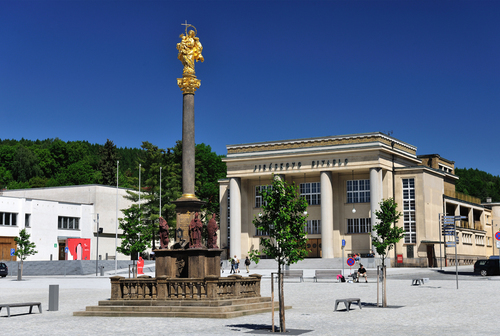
{"x":91,"y":70}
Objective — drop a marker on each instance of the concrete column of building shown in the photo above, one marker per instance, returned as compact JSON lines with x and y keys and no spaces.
{"x":235,"y":213}
{"x":375,"y":194}
{"x":326,"y":214}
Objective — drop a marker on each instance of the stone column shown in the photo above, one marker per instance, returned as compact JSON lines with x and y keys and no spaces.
{"x":188,"y":145}
{"x":375,"y":194}
{"x":235,"y":212}
{"x":326,"y":214}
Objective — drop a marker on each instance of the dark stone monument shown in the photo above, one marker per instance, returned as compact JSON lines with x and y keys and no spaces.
{"x":212,"y":228}
{"x":163,"y":234}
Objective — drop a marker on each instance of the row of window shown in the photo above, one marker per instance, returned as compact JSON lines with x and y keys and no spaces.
{"x":10,"y":219}
{"x":358,"y":191}
{"x":354,"y":225}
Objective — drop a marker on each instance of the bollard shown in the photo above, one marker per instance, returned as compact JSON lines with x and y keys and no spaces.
{"x":102,"y":270}
{"x":53,"y":297}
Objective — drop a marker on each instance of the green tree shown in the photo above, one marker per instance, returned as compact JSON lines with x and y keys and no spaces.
{"x":25,"y":248}
{"x":283,"y":217}
{"x":24,"y":164}
{"x":136,"y":236}
{"x":107,"y":163}
{"x":387,"y":234}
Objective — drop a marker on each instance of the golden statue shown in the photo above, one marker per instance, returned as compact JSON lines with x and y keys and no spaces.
{"x":189,"y":50}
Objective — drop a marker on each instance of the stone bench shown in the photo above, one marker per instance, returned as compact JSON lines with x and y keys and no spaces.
{"x":419,"y":281}
{"x":288,"y":274}
{"x":25,"y":304}
{"x":347,"y":303}
{"x":326,"y":274}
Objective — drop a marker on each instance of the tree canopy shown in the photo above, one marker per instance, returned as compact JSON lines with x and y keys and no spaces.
{"x":478,"y":183}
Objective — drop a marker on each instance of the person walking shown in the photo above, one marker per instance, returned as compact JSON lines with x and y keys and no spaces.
{"x":233,"y":262}
{"x":247,"y":264}
{"x":236,"y":264}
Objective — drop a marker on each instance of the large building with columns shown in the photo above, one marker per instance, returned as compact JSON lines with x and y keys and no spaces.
{"x":344,"y":178}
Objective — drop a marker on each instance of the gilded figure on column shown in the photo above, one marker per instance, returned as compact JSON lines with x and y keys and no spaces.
{"x":190,"y":50}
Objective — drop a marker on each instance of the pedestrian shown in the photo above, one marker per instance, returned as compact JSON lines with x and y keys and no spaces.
{"x":233,"y":262}
{"x":361,"y":273}
{"x":247,"y":264}
{"x":236,"y":264}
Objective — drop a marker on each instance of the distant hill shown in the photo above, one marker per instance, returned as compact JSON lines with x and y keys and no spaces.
{"x":478,"y":183}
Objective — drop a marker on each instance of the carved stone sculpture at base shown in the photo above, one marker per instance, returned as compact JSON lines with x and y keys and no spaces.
{"x":163,"y":234}
{"x":212,"y":233}
{"x":195,"y":232}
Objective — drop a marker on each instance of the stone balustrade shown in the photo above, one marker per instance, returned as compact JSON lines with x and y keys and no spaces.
{"x":166,"y":288}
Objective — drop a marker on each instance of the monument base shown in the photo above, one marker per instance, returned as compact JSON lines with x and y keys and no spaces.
{"x":188,"y":263}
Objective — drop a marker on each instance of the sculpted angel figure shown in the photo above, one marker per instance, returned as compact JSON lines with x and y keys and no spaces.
{"x":212,"y":233}
{"x":189,"y":51}
{"x":195,"y":228}
{"x":163,"y":233}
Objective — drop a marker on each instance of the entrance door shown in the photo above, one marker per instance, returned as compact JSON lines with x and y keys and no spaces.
{"x":431,"y":260}
{"x":7,"y":243}
{"x":62,"y":255}
{"x":314,"y":248}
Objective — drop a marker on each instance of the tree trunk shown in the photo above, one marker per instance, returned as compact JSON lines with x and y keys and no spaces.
{"x":282,"y":307}
{"x":281,"y":297}
{"x":384,"y":284}
{"x":21,"y":276}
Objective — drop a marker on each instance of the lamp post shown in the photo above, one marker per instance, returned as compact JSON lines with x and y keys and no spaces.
{"x":97,"y":248}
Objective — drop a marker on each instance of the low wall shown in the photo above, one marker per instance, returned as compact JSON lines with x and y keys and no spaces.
{"x":166,"y":288}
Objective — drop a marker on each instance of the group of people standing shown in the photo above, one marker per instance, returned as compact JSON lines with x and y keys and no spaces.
{"x":235,"y":265}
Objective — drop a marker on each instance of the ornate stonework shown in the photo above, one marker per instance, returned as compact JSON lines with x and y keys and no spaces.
{"x":188,"y":84}
{"x":310,"y":143}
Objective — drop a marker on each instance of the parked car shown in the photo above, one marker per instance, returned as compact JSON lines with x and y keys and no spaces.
{"x":487,"y":267}
{"x":4,"y":270}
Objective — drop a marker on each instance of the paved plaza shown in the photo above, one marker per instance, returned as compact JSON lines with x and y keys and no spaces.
{"x":435,"y":308}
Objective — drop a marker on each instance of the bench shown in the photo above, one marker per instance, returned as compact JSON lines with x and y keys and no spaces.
{"x":326,"y":274}
{"x":26,"y":304}
{"x":419,"y":281}
{"x":287,"y":274}
{"x":347,"y":303}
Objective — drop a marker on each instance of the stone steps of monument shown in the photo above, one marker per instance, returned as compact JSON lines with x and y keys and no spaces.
{"x":191,"y":303}
{"x":198,"y":309}
{"x":179,"y":311}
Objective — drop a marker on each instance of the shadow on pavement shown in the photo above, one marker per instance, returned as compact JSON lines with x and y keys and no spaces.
{"x":264,"y":329}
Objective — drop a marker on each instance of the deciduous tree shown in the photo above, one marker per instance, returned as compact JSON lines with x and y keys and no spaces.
{"x":25,"y":248}
{"x":283,"y":218}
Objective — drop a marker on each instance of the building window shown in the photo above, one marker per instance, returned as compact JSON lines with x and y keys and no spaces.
{"x":261,"y":233}
{"x":69,"y":223}
{"x":359,"y":225}
{"x":313,"y":226}
{"x":358,"y":191}
{"x":27,"y":219}
{"x":479,"y":240}
{"x":311,"y":192}
{"x":258,"y":194}
{"x":8,"y":218}
{"x":467,"y":238}
{"x":410,"y":223}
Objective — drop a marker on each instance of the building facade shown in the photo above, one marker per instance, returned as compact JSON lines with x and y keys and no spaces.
{"x":344,"y":178}
{"x":62,"y":221}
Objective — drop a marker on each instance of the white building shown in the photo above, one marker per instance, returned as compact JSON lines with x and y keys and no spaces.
{"x":61,"y":217}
